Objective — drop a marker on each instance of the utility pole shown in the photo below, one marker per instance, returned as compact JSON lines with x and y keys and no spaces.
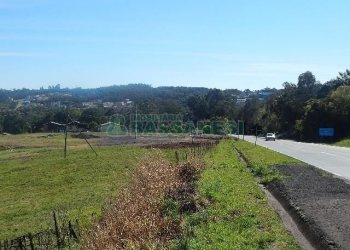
{"x":243,"y":130}
{"x":65,"y":140}
{"x":242,"y":122}
{"x":65,"y":126}
{"x":136,"y":122}
{"x":256,"y":133}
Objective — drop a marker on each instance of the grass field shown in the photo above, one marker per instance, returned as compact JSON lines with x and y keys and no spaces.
{"x":35,"y":179}
{"x":238,"y":214}
{"x":37,"y":140}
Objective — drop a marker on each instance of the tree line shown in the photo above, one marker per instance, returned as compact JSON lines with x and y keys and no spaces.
{"x":298,"y":110}
{"x":213,"y":104}
{"x":295,"y":111}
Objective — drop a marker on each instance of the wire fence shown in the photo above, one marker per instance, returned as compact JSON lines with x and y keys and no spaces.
{"x":65,"y":234}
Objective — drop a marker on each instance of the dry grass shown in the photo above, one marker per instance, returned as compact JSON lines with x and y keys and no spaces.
{"x":139,"y":219}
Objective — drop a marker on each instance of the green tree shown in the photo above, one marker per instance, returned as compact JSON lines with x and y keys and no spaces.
{"x":91,"y":115}
{"x":199,"y":107}
{"x":306,"y":80}
{"x":250,"y":113}
{"x":344,"y":78}
{"x":170,"y":107}
{"x":15,"y":124}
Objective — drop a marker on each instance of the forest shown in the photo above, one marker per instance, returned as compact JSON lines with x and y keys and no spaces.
{"x":296,"y":111}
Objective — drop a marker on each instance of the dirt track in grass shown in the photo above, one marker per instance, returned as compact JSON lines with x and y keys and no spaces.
{"x":161,"y":141}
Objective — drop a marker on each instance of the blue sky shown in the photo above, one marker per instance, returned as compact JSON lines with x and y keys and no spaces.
{"x":222,"y":44}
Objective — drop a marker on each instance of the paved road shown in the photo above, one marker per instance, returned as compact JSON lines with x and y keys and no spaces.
{"x":330,"y":158}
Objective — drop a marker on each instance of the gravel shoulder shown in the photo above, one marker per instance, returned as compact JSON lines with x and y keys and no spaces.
{"x":319,"y":203}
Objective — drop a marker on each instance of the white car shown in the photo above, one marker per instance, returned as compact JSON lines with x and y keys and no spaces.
{"x":270,"y":136}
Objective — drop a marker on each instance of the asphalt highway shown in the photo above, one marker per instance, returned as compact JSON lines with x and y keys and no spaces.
{"x":330,"y":158}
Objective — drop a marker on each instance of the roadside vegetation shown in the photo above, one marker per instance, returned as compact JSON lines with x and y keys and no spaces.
{"x":261,"y":161}
{"x":342,"y":143}
{"x":213,"y":203}
{"x":237,"y":212}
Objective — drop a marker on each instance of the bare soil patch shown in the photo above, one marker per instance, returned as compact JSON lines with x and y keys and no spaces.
{"x":84,"y":135}
{"x":161,"y":141}
{"x":318,"y":201}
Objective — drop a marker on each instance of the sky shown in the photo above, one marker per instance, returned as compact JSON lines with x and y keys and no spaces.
{"x":202,"y":43}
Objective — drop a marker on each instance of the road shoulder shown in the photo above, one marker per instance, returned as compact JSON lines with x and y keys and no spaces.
{"x":317,"y":200}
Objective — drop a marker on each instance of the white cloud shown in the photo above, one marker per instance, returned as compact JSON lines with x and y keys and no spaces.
{"x":9,"y":4}
{"x":21,"y":54}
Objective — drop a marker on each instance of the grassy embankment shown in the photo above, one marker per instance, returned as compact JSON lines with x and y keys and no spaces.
{"x":342,"y":143}
{"x":238,"y":215}
{"x":35,"y":180}
{"x":261,"y":160}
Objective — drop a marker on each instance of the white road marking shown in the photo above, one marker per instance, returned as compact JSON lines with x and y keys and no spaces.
{"x":328,"y":153}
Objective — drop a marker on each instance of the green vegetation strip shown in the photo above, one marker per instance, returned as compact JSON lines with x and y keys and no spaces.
{"x":261,"y":161}
{"x":238,"y":215}
{"x":35,"y":181}
{"x":342,"y":143}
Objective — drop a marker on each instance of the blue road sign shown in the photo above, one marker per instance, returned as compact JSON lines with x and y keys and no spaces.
{"x":326,"y":131}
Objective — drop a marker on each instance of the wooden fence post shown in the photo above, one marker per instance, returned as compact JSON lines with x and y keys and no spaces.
{"x":57,"y":231}
{"x":72,"y":232}
{"x":20,"y":244}
{"x":31,"y":244}
{"x":177,"y":157}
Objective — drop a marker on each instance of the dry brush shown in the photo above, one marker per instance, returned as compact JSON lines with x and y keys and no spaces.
{"x":138,"y":218}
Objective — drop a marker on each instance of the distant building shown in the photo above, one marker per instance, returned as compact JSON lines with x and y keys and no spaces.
{"x":89,"y":105}
{"x":265,"y":93}
{"x":108,"y":104}
{"x":241,"y":101}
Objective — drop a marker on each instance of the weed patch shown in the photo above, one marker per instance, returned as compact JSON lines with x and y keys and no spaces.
{"x":148,"y":214}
